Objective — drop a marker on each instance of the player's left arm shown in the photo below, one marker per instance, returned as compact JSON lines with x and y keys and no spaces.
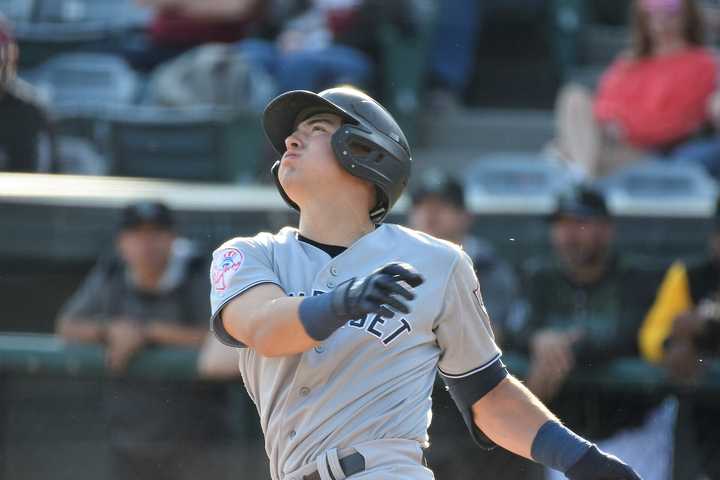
{"x":497,"y":405}
{"x":511,"y":416}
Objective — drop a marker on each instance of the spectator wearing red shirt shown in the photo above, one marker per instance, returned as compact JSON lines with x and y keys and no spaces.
{"x":654,"y":100}
{"x":179,"y":25}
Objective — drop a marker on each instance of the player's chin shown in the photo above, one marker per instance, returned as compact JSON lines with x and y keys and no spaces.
{"x":292,"y":183}
{"x":287,"y":174}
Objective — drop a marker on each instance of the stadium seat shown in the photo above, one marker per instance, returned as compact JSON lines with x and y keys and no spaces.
{"x":670,"y":188}
{"x":196,"y":144}
{"x":530,"y":179}
{"x":16,"y":10}
{"x":41,"y":41}
{"x":113,"y":14}
{"x":664,"y":210}
{"x":511,"y":195}
{"x":45,"y":28}
{"x":92,"y":81}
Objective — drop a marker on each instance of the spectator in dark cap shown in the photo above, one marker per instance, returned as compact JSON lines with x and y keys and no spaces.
{"x":438,"y":208}
{"x":26,"y":139}
{"x":151,"y":292}
{"x":586,"y":304}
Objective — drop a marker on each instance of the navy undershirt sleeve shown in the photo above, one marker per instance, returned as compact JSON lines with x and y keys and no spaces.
{"x":466,"y":390}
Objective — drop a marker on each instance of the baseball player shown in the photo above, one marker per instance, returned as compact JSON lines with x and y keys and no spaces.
{"x":343,"y":322}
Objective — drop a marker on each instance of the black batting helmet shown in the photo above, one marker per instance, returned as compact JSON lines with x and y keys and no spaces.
{"x":383,"y":158}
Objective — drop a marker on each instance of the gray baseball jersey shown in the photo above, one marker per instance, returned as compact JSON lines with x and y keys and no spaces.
{"x":372,"y":378}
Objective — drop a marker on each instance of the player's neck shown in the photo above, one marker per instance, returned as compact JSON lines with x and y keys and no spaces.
{"x":336,"y":226}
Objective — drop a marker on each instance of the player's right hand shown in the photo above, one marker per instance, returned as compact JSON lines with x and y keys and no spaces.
{"x":381,"y":292}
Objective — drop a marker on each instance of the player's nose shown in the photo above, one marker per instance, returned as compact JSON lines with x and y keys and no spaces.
{"x":293,"y":142}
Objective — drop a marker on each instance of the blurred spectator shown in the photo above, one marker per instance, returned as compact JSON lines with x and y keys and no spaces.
{"x":587,"y":303}
{"x":154,"y":293}
{"x":452,"y":51}
{"x":586,"y":306}
{"x":682,"y":332}
{"x":317,"y":44}
{"x":26,"y":138}
{"x":683,"y":325}
{"x":655,"y":100}
{"x":453,"y":47}
{"x":438,"y":208}
{"x":179,"y":25}
{"x":213,"y":74}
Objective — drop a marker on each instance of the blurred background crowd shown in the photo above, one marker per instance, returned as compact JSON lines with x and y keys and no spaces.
{"x":572,"y":147}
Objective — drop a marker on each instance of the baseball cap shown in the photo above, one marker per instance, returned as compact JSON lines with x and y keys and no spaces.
{"x":583,"y":202}
{"x":439,"y":185}
{"x":148,"y":212}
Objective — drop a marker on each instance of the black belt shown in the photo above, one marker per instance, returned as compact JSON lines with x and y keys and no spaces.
{"x":352,"y":464}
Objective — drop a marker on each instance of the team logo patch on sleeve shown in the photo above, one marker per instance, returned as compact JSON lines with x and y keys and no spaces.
{"x":225,"y":264}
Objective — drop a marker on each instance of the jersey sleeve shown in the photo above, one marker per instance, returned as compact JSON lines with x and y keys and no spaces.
{"x":237,"y":266}
{"x":470,"y":363}
{"x":463,"y":328}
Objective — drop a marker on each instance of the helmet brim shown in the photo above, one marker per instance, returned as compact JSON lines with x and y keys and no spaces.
{"x":280,"y":116}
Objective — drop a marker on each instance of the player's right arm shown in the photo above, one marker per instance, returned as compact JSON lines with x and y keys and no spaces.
{"x":250,"y":308}
{"x":273,"y":324}
{"x":265,"y":319}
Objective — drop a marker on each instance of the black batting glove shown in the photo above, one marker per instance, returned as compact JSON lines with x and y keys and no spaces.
{"x":598,"y":465}
{"x":388,"y":288}
{"x":375,"y":293}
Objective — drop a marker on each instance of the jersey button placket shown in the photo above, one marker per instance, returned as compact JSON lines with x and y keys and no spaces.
{"x":319,"y":349}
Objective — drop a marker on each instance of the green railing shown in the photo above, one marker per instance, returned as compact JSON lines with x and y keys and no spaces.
{"x":50,"y":355}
